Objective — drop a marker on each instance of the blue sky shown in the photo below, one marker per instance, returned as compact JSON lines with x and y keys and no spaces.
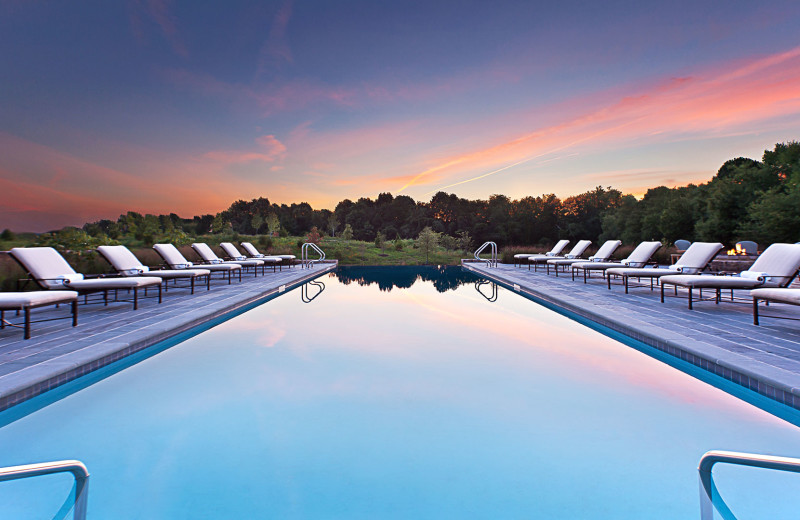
{"x":184,"y":106}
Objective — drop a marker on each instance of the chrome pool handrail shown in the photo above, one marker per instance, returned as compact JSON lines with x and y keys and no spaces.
{"x":76,"y":467}
{"x":304,"y":260}
{"x":492,"y":262}
{"x":708,"y":489}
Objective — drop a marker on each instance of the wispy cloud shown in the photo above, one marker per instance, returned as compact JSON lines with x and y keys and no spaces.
{"x":276,"y":51}
{"x":710,"y":102}
{"x":157,"y":12}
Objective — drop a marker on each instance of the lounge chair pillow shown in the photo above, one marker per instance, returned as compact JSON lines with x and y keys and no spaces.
{"x":64,"y":279}
{"x":139,"y":269}
{"x":761,"y":277}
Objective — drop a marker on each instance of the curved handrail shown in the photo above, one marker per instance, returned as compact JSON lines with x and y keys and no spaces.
{"x":76,"y":467}
{"x":304,"y":260}
{"x":304,"y":294}
{"x":491,"y":262}
{"x":492,"y":296}
{"x":707,"y":488}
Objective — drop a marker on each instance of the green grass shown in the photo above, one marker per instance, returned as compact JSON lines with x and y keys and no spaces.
{"x":348,"y":252}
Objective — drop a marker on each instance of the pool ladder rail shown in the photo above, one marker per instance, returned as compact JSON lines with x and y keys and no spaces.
{"x":708,"y":491}
{"x":305,"y":261}
{"x":78,"y":470}
{"x":490,"y":262}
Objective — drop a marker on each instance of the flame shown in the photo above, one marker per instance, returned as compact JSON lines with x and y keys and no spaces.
{"x":738,"y":250}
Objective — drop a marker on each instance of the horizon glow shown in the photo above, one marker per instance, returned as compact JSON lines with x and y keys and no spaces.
{"x":158,"y":106}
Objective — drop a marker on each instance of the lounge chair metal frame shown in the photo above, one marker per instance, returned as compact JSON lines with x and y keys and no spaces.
{"x":718,"y":295}
{"x":767,"y":299}
{"x":26,"y":310}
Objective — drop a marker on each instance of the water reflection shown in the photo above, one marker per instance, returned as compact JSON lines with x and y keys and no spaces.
{"x":309,"y":291}
{"x":443,"y":277}
{"x":492,"y":295}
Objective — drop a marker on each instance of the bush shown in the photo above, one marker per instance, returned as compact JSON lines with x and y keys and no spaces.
{"x":265,"y":241}
{"x":398,"y":244}
{"x":7,"y":235}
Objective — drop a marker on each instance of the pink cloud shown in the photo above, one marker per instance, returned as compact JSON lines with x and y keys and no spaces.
{"x":270,"y":149}
{"x":710,"y":102}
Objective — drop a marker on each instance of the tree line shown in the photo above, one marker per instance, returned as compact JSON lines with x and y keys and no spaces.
{"x":746,"y":199}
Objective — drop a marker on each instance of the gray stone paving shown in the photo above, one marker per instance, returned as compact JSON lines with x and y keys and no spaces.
{"x":718,"y":337}
{"x":57,"y":352}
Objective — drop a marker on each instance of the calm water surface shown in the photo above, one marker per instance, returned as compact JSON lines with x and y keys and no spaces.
{"x":398,"y":394}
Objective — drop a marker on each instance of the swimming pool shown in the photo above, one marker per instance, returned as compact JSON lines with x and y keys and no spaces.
{"x":397,"y":393}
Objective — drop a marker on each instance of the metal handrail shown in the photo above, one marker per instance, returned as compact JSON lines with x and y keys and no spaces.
{"x":304,"y":260}
{"x":708,"y":490}
{"x":77,"y":468}
{"x":491,"y":262}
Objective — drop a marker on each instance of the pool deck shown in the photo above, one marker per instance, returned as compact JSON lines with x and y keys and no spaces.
{"x":58,"y":353}
{"x":720,"y":338}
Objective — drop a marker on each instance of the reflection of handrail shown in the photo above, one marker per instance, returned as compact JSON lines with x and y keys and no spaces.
{"x":75,"y":467}
{"x":708,"y":490}
{"x":492,"y":262}
{"x":493,"y":296}
{"x":304,"y":290}
{"x":305,"y":261}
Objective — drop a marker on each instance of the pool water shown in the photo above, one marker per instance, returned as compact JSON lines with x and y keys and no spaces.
{"x":397,"y":393}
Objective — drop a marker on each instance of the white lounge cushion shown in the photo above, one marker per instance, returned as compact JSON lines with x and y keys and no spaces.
{"x":172,"y":256}
{"x":781,"y":295}
{"x":100,"y":284}
{"x":706,"y":281}
{"x":640,"y":272}
{"x":779,"y":262}
{"x":206,"y":253}
{"x":697,"y":257}
{"x":20,"y":300}
{"x":169,"y":274}
{"x":596,"y":266}
{"x":251,"y":250}
{"x":605,"y":251}
{"x":642,"y":254}
{"x":45,"y":264}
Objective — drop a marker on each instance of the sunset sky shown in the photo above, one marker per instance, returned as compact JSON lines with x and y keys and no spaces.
{"x":166,"y":106}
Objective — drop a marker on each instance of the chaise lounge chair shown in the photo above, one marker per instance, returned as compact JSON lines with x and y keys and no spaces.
{"x":776,"y":267}
{"x":577,"y":250}
{"x":602,"y":255}
{"x":25,"y":301}
{"x":126,"y":264}
{"x":236,"y":255}
{"x":779,"y":295}
{"x":519,"y":258}
{"x":50,"y":271}
{"x":693,"y":261}
{"x":251,"y":250}
{"x":638,"y":258}
{"x":175,"y":260}
{"x":210,"y":258}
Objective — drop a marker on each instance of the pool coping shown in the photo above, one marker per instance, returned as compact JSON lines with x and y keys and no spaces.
{"x":778,"y":384}
{"x":45,"y":376}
